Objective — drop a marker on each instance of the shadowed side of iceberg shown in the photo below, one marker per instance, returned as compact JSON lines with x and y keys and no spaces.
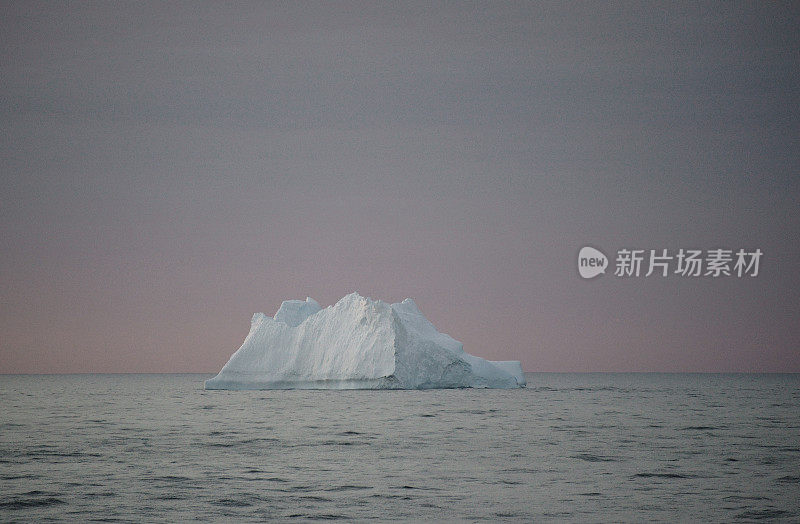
{"x":513,"y":368}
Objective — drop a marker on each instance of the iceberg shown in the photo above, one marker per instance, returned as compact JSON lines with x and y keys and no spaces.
{"x":358,"y":343}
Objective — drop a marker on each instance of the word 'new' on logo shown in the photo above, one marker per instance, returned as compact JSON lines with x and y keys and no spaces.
{"x":591,"y":262}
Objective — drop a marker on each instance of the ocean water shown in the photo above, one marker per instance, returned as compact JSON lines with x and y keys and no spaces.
{"x":569,"y":447}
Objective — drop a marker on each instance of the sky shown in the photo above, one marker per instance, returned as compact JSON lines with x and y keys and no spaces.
{"x":170,"y":168}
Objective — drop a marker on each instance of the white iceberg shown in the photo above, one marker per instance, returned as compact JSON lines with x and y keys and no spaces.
{"x":358,"y":343}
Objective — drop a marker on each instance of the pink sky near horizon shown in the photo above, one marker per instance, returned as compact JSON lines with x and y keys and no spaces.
{"x":170,"y":169}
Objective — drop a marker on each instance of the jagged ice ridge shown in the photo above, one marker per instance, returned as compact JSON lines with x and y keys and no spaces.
{"x":358,"y":343}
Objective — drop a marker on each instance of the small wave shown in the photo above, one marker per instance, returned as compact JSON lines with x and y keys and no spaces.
{"x":508,"y":482}
{"x":329,"y":443}
{"x":275,"y":479}
{"x":313,"y":498}
{"x":388,"y":496}
{"x":347,"y":487}
{"x":662,"y":475}
{"x":233,"y":503}
{"x":257,"y":439}
{"x":788,"y":479}
{"x":48,"y":453}
{"x":588,"y":457}
{"x":521,"y":470}
{"x":343,"y":443}
{"x":299,"y":489}
{"x":477,"y":411}
{"x":698,"y":428}
{"x":406,"y":486}
{"x":16,"y":477}
{"x":23,"y":502}
{"x":101,"y":494}
{"x":744,"y":497}
{"x":759,"y":514}
{"x":318,"y":516}
{"x":218,"y":444}
{"x":599,"y":388}
{"x":172,"y":478}
{"x":170,"y":496}
{"x":288,"y":490}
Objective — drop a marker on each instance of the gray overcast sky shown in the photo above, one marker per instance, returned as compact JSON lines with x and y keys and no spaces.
{"x":170,"y":168}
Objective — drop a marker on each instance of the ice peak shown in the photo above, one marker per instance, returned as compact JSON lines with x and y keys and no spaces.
{"x":294,"y":312}
{"x":356,"y":343}
{"x":354,"y":297}
{"x":257,"y":318}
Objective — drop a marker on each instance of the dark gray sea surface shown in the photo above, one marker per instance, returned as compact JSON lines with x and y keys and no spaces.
{"x":569,"y":447}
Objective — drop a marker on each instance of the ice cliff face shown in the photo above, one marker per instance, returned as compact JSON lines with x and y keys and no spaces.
{"x":358,"y":343}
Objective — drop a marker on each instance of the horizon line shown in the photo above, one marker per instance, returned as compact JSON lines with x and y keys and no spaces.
{"x":526,"y":372}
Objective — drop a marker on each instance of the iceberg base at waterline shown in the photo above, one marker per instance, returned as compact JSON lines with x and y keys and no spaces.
{"x":358,"y":343}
